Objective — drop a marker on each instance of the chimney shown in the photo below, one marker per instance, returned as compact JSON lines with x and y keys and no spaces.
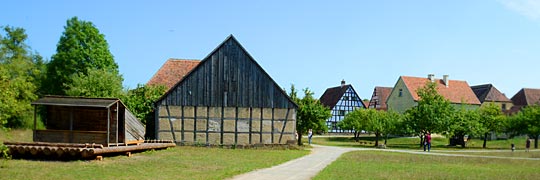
{"x":431,"y":77}
{"x":446,"y":80}
{"x":342,"y":82}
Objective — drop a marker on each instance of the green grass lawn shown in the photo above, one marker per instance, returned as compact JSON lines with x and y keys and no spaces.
{"x":391,"y":165}
{"x":414,"y":142}
{"x":174,"y":163}
{"x":520,"y":153}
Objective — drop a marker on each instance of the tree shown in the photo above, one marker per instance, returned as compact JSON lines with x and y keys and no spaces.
{"x":492,"y":120}
{"x":392,"y":123}
{"x":431,"y":114}
{"x":141,"y":101}
{"x":96,"y":83}
{"x":527,"y":121}
{"x":463,"y":122}
{"x":18,"y":76}
{"x":311,"y":114}
{"x":82,"y":48}
{"x":354,"y":121}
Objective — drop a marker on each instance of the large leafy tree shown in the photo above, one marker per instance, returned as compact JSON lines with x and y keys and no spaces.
{"x":431,"y":114}
{"x":492,"y":120}
{"x":463,"y":122}
{"x":354,"y":121}
{"x":527,"y":121}
{"x":82,"y":48}
{"x":96,"y":83}
{"x":311,"y":114}
{"x":19,"y":74}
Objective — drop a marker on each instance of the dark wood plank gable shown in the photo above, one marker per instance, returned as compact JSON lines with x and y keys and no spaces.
{"x":228,"y":77}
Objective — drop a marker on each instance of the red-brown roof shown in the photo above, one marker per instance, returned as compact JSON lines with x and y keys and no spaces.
{"x":526,"y":96}
{"x":457,"y":91}
{"x":379,"y":97}
{"x":172,"y":72}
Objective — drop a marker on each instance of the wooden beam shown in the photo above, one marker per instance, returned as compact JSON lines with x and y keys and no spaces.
{"x":284,"y":124}
{"x":108,"y":125}
{"x":170,"y":122}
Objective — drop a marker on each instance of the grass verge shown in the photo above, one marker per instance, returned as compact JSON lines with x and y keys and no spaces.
{"x":391,"y":165}
{"x":174,"y":163}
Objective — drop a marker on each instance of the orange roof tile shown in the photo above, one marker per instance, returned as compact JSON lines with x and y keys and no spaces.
{"x":172,"y":72}
{"x":457,"y":91}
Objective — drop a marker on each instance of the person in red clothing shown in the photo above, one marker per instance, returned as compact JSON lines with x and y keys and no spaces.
{"x":427,"y":142}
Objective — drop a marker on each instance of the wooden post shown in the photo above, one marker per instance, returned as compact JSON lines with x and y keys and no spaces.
{"x":207,"y":122}
{"x":35,"y":117}
{"x":261,"y":127}
{"x":222,"y":121}
{"x":117,"y":128}
{"x":182,"y":118}
{"x":250,"y":122}
{"x":170,"y":122}
{"x":236,"y":125}
{"x":108,"y":124}
{"x":284,"y":124}
{"x":71,"y":124}
{"x":195,"y":124}
{"x":272,"y":128}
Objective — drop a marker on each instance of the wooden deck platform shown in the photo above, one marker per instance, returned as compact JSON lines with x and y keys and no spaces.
{"x":62,"y":151}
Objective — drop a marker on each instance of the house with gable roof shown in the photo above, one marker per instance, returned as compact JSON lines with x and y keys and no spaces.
{"x":525,"y":97}
{"x":488,"y":94}
{"x":404,"y":94}
{"x":379,"y":97}
{"x":341,"y":100}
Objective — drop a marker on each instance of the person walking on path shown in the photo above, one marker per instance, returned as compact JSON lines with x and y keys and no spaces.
{"x":310,"y":134}
{"x":527,"y":144}
{"x":427,"y":142}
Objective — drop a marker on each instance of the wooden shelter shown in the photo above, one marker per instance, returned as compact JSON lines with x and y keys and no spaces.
{"x":104,"y":121}
{"x":226,"y":99}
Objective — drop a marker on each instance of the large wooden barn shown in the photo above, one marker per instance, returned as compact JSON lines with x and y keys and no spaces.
{"x":226,"y":99}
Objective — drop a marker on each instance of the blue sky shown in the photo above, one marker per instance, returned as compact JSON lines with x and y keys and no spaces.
{"x":311,"y":44}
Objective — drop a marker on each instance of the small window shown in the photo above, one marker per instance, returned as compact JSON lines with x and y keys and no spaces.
{"x":503,"y":106}
{"x":341,"y":113}
{"x":400,"y":92}
{"x":345,"y":98}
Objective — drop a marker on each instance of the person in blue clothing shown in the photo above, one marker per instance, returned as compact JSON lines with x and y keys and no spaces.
{"x":310,"y":134}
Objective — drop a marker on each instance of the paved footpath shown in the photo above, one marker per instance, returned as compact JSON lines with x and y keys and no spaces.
{"x":305,"y":167}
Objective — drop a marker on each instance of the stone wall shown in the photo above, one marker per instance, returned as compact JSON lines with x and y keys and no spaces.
{"x":226,"y":125}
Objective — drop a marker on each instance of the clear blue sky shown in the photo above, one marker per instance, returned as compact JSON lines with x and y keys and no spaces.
{"x":310,"y":43}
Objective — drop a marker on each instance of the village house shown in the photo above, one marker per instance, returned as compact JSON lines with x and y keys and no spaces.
{"x":227,"y":98}
{"x":488,"y":94}
{"x":341,"y":100}
{"x":404,"y":94}
{"x":379,"y":97}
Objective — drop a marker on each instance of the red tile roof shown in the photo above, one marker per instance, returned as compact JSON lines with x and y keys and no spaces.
{"x":172,"y":72}
{"x":379,"y":97}
{"x":457,"y":91}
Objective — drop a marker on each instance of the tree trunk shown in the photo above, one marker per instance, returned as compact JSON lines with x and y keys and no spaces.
{"x":385,"y":139}
{"x":485,"y":140}
{"x":462,"y":140}
{"x":356,"y":136}
{"x":421,"y":141}
{"x":299,"y":139}
{"x":377,"y":134}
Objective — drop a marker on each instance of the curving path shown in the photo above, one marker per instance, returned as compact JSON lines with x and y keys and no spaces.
{"x":305,"y":167}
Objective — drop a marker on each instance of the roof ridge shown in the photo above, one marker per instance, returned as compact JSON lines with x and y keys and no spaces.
{"x":181,"y":59}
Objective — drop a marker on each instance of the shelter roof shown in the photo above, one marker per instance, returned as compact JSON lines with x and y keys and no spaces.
{"x":526,"y":96}
{"x":76,"y":101}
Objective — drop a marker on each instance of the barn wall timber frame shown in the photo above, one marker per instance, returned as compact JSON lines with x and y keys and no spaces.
{"x":226,"y":99}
